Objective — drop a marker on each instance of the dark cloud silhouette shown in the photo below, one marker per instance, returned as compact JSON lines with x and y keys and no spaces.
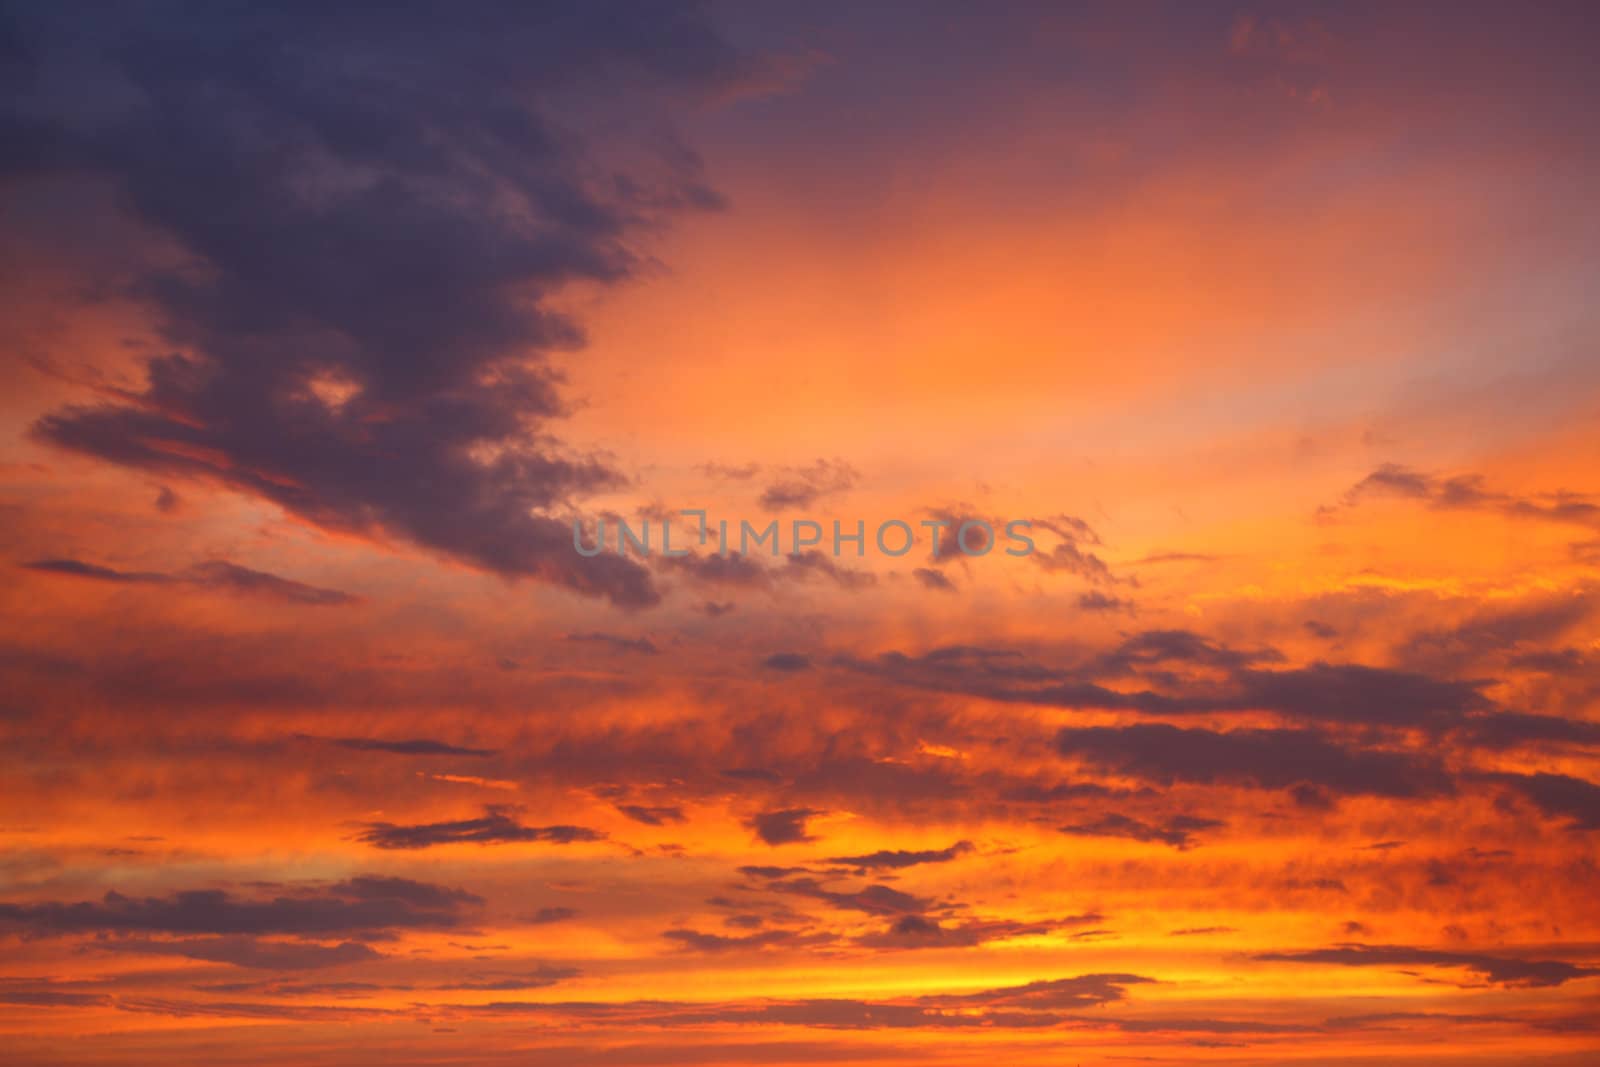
{"x":220,"y":574}
{"x":787,"y":661}
{"x":932,"y":579}
{"x":1177,"y":831}
{"x":545,"y":916}
{"x":736,"y":571}
{"x":1268,"y":758}
{"x":362,"y":905}
{"x":652,"y":816}
{"x":641,"y":645}
{"x":1559,"y":796}
{"x":250,"y":952}
{"x":212,"y":574}
{"x":1068,"y":555}
{"x":914,"y":931}
{"x":357,"y":329}
{"x":713,"y":943}
{"x":542,"y":977}
{"x":784,"y":827}
{"x":421,"y":746}
{"x":800,"y":487}
{"x":894,"y":859}
{"x":802,"y":565}
{"x":79,"y":569}
{"x":498,"y":825}
{"x":872,"y":899}
{"x":1467,"y":492}
{"x":1094,"y":600}
{"x":1498,"y":969}
{"x":1185,"y":674}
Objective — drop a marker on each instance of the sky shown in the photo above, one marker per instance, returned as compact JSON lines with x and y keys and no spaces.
{"x":332,"y":337}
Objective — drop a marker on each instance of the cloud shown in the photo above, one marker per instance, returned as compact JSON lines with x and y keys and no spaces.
{"x":498,"y":825}
{"x":932,"y":579}
{"x":1558,"y":796}
{"x":542,"y":977}
{"x":784,"y":827}
{"x":1267,"y":758}
{"x":895,"y":859}
{"x":361,"y":905}
{"x":652,"y":816}
{"x":871,"y":899}
{"x":736,"y":571}
{"x":714,"y":943}
{"x":1467,"y":492}
{"x":78,"y":569}
{"x":787,"y":661}
{"x":1497,"y":969}
{"x":220,"y":574}
{"x":643,"y":646}
{"x":1177,"y":831}
{"x":420,"y":746}
{"x":802,"y":565}
{"x":545,"y":916}
{"x":1185,"y":674}
{"x":1095,"y":600}
{"x":914,"y":931}
{"x":365,"y":251}
{"x":249,"y":952}
{"x":801,"y":487}
{"x":212,"y":574}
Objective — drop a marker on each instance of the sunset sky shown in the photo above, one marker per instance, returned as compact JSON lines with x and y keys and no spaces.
{"x":321,"y":326}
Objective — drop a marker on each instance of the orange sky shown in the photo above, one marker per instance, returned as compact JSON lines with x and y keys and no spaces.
{"x":326,"y":746}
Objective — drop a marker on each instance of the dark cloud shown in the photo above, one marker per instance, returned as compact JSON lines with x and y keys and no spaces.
{"x":652,"y":816}
{"x":212,"y":574}
{"x":871,"y":899}
{"x":784,"y":827}
{"x":1094,"y":600}
{"x":362,"y":905}
{"x":915,"y":931}
{"x":1467,"y":492}
{"x":1034,"y":1005}
{"x":641,"y":645}
{"x":420,"y":746}
{"x":787,"y":661}
{"x":1068,"y":555}
{"x":1177,"y":831}
{"x":255,"y":953}
{"x":1183,"y":674}
{"x":359,"y":326}
{"x":545,"y":916}
{"x":1497,"y":969}
{"x":78,"y":569}
{"x":894,"y":859}
{"x":52,"y":998}
{"x":498,"y":825}
{"x":220,"y":574}
{"x":736,"y":571}
{"x":932,"y":579}
{"x":713,"y":943}
{"x":542,"y":977}
{"x":800,"y":487}
{"x":1495,"y":633}
{"x":1558,"y":796}
{"x":1510,"y":729}
{"x":1268,"y":758}
{"x":802,"y":565}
